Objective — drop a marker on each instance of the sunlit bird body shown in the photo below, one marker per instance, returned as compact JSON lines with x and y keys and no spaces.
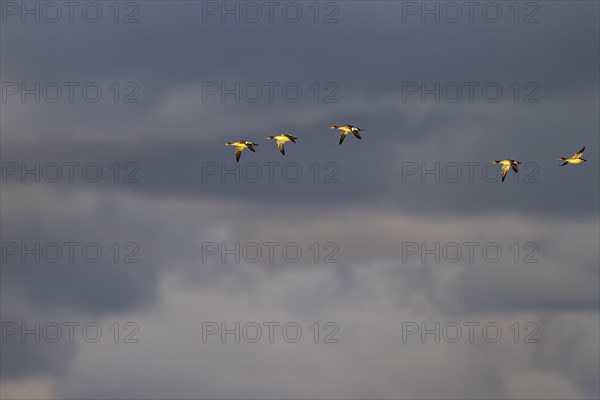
{"x":240,"y":145}
{"x":506,"y":165}
{"x":281,"y":140}
{"x":574,"y":159}
{"x":346,"y":129}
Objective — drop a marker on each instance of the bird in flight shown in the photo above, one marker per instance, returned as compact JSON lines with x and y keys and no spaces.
{"x":574,"y":159}
{"x":240,"y":145}
{"x":281,"y":139}
{"x":506,"y":165}
{"x":346,"y":129}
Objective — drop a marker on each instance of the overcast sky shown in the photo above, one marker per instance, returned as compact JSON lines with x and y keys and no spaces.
{"x":410,"y":227}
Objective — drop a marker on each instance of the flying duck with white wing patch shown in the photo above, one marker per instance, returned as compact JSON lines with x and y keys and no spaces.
{"x":574,"y":159}
{"x":281,"y":139}
{"x":240,"y":145}
{"x":506,"y":165}
{"x":346,"y":129}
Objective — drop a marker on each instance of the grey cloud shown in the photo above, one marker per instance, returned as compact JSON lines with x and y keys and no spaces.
{"x":170,"y":212}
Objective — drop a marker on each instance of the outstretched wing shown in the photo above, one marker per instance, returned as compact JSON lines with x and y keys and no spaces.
{"x":238,"y":153}
{"x":515,"y":167}
{"x":357,"y":134}
{"x":292,"y":138}
{"x":251,"y":147}
{"x":579,"y":153}
{"x":342,"y":137}
{"x":281,"y":148}
{"x":505,"y":168}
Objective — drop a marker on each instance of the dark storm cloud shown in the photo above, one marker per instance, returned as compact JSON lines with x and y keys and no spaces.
{"x":23,"y":356}
{"x":370,"y":47}
{"x":373,"y":63}
{"x":77,"y":267}
{"x":366,"y":172}
{"x":360,"y":59}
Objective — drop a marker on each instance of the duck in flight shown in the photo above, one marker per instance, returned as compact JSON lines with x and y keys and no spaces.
{"x":506,"y":165}
{"x":240,"y":145}
{"x":281,"y":139}
{"x":346,"y":129}
{"x":574,"y":159}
